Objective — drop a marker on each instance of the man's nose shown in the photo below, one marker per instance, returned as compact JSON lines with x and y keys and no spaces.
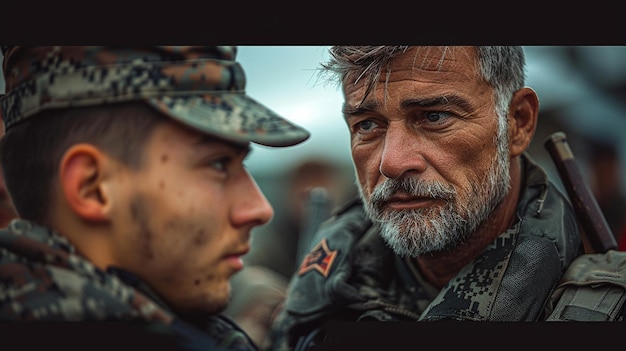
{"x":402,"y":152}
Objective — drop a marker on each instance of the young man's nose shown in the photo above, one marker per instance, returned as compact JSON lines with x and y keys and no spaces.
{"x":252,"y":208}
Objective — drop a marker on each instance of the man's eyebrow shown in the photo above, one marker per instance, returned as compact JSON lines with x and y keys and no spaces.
{"x":348,"y":110}
{"x":442,"y":100}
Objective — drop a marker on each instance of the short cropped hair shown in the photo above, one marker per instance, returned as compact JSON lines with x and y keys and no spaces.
{"x":31,"y":151}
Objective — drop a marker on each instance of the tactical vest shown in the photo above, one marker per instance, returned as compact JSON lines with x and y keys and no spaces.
{"x":592,"y":289}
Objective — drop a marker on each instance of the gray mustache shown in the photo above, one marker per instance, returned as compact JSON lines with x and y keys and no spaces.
{"x":411,"y":186}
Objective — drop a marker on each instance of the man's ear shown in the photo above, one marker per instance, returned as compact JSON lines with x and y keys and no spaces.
{"x":81,"y":176}
{"x":523,"y":112}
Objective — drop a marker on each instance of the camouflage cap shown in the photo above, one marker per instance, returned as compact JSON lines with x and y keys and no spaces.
{"x":200,"y":86}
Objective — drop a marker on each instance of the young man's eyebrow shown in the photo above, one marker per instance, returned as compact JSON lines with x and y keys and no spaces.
{"x":209,"y":140}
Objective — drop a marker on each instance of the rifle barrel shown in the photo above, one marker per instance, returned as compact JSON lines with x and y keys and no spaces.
{"x":595,"y":227}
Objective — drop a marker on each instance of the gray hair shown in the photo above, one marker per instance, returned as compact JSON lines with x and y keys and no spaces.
{"x":502,"y":67}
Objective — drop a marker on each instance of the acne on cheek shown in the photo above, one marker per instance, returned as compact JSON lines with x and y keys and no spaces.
{"x":164,"y":158}
{"x":198,"y":281}
{"x":200,"y":237}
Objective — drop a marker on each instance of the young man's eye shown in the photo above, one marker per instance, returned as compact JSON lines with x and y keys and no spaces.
{"x":220,"y":164}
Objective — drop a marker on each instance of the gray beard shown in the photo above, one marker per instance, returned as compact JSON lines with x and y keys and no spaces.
{"x":422,"y":231}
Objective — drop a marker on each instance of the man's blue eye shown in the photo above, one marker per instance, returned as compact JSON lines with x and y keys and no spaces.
{"x":434,"y":116}
{"x":366,"y":125}
{"x":437,"y":116}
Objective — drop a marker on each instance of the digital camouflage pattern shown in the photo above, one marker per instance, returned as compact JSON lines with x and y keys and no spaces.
{"x":42,"y":278}
{"x":511,"y":280}
{"x":201,"y":86}
{"x":34,"y":259}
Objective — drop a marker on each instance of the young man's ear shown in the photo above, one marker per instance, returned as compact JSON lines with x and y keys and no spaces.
{"x":524,"y":110}
{"x":81,"y":175}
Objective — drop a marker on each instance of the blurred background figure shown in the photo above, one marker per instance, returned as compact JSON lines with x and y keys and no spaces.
{"x":605,"y":177}
{"x":258,"y":293}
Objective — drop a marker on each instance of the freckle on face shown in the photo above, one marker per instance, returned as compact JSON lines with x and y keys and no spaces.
{"x":200,"y":237}
{"x":164,"y":158}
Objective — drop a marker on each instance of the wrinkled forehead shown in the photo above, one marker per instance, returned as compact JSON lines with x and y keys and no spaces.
{"x":435,"y":58}
{"x":420,"y":63}
{"x":439,"y":59}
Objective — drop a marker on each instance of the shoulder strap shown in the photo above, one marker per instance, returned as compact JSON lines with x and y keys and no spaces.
{"x":592,"y":289}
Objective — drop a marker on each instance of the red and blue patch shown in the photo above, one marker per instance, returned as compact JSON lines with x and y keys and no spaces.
{"x":320,"y":259}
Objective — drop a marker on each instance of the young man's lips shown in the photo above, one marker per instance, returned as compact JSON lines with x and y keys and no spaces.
{"x":235,"y":259}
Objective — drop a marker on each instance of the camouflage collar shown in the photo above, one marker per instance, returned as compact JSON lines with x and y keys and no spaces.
{"x":68,"y":286}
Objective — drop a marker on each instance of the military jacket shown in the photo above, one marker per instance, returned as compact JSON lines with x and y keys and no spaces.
{"x":42,"y":278}
{"x":350,"y":274}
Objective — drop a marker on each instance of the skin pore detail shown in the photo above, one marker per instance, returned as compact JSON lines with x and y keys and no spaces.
{"x":190,"y":207}
{"x":423,"y":145}
{"x":200,"y":237}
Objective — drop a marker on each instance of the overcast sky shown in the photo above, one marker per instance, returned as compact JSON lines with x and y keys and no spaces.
{"x":284,"y":78}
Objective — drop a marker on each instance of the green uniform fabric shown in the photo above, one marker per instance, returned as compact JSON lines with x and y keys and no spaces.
{"x":43,"y":279}
{"x":592,"y":289}
{"x":511,"y":280}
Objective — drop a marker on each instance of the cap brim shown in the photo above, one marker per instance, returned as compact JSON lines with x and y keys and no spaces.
{"x":232,"y":116}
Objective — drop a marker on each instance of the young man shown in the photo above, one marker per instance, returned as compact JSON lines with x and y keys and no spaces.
{"x":454,"y":221}
{"x":126,"y":166}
